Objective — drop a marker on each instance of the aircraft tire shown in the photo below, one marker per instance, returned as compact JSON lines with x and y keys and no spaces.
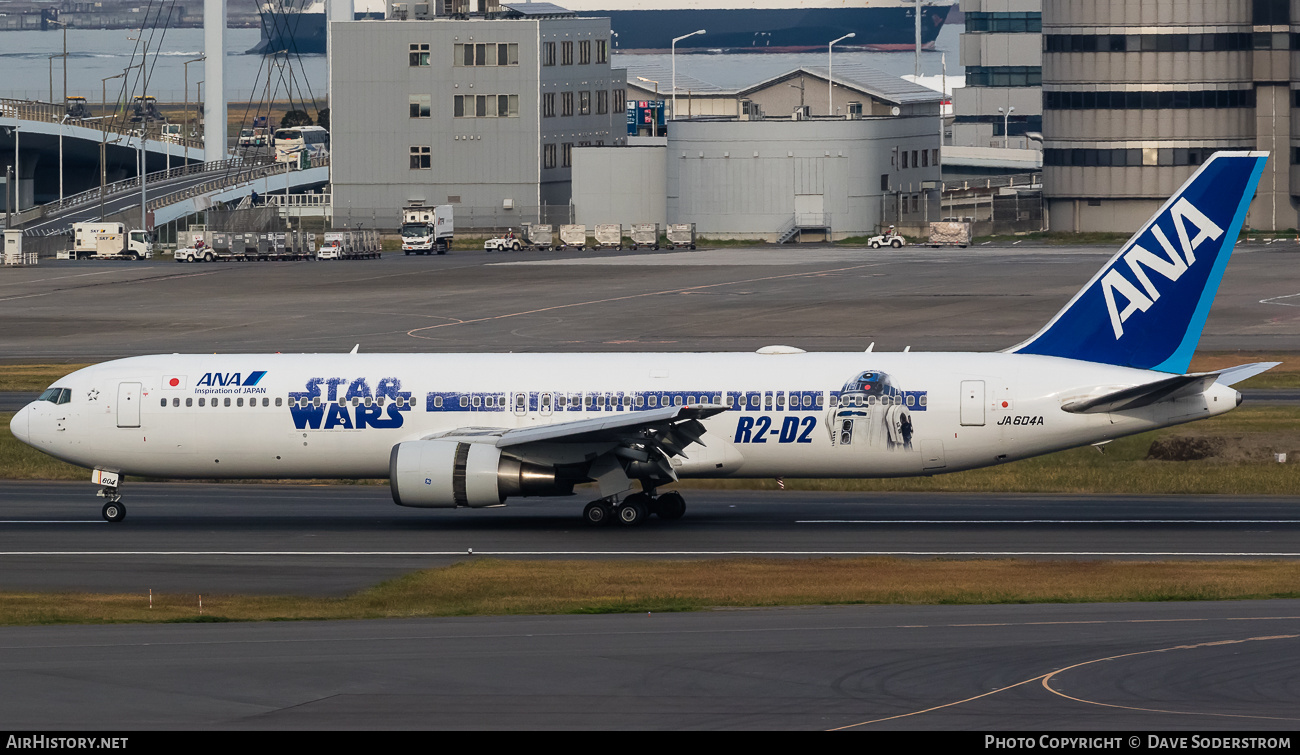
{"x":670,"y":506}
{"x":597,"y":514}
{"x":632,"y":513}
{"x":114,"y":511}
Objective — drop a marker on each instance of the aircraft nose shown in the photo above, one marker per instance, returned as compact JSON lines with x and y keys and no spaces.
{"x":20,"y":425}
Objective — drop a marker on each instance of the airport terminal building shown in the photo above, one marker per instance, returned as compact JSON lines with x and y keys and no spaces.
{"x":482,"y":113}
{"x":1137,"y":95}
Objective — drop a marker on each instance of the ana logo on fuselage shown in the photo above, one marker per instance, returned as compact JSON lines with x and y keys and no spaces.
{"x":225,"y":379}
{"x":1171,"y":267}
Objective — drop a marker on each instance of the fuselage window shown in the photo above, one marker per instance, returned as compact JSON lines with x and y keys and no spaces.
{"x":730,"y":400}
{"x":780,"y":401}
{"x":921,"y":401}
{"x":176,"y":402}
{"x":546,"y":402}
{"x":819,"y":400}
{"x":189,"y":402}
{"x":464,"y":401}
{"x":369,"y":401}
{"x":753,"y":401}
{"x":437,"y":402}
{"x":477,"y":402}
{"x":278,"y":401}
{"x":591,"y":400}
{"x":379,"y":401}
{"x":677,"y":400}
{"x":640,"y":401}
{"x":654,"y":400}
{"x":227,"y":401}
{"x":911,"y":400}
{"x":238,"y":402}
{"x":164,"y":403}
{"x":520,"y":402}
{"x":201,"y":401}
{"x":266,"y":402}
{"x":561,"y":400}
{"x":767,"y":401}
{"x":316,"y":402}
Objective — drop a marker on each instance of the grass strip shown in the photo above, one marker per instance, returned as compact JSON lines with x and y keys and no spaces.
{"x":33,"y":378}
{"x":493,"y":587}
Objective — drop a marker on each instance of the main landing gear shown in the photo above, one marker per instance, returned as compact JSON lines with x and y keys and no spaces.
{"x":113,"y":511}
{"x":635,"y":509}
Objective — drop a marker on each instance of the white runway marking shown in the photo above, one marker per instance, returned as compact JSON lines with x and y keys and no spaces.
{"x":480,"y":552}
{"x":1048,"y":521}
{"x":52,"y":521}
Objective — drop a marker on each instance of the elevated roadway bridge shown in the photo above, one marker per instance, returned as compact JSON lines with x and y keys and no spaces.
{"x":34,"y":134}
{"x":38,"y":138}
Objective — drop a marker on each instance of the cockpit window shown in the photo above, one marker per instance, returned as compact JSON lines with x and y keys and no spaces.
{"x":56,"y":395}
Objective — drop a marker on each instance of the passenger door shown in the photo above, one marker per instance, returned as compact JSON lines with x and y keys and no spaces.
{"x":972,"y":403}
{"x":128,"y":404}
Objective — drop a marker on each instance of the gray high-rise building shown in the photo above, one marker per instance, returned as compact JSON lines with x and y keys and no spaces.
{"x":1138,"y":93}
{"x":1002,"y":51}
{"x":479,"y":112}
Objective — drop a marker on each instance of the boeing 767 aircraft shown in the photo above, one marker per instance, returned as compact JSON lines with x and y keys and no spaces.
{"x":471,"y":430}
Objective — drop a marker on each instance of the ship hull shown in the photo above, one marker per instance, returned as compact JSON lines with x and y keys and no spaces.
{"x":772,"y":30}
{"x":730,"y":29}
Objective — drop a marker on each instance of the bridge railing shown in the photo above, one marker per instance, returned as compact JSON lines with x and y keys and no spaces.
{"x":46,"y":112}
{"x":231,"y":179}
{"x":158,"y":176}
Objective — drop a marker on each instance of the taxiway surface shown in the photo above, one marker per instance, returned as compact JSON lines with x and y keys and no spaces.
{"x":1206,"y":667}
{"x":735,"y":299}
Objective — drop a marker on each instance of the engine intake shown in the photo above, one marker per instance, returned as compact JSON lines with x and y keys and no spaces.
{"x":448,"y":474}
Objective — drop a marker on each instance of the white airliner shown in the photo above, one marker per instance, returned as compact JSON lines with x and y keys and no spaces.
{"x":470,"y":430}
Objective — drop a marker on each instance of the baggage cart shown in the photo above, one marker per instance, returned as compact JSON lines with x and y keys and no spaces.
{"x":681,"y":235}
{"x":645,"y":234}
{"x":574,"y":236}
{"x":950,"y":233}
{"x":539,"y":236}
{"x":609,"y":235}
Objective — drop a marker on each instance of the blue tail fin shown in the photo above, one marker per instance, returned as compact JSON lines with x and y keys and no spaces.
{"x":1146,"y":308}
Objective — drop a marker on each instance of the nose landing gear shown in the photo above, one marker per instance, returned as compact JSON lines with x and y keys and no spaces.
{"x":635,"y":509}
{"x":113,"y":511}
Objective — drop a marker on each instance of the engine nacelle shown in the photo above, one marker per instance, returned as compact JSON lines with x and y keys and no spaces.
{"x":447,"y":474}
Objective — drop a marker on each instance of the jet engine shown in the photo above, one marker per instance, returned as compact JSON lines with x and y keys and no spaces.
{"x":447,"y":474}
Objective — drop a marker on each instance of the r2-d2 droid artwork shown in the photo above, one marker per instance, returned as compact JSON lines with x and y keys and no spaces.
{"x":871,"y":414}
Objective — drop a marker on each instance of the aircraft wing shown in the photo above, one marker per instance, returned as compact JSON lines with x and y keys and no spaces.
{"x":1168,"y":389}
{"x":670,"y":428}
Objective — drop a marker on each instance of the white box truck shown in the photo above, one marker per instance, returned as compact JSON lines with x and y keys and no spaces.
{"x":426,"y":230}
{"x":109,"y":241}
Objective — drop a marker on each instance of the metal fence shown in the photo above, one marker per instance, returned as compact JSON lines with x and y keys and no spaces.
{"x":995,"y":205}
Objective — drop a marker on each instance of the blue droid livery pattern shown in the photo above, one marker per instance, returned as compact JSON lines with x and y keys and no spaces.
{"x":872,"y":413}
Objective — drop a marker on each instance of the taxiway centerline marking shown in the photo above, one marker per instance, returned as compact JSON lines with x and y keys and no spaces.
{"x":465,"y":552}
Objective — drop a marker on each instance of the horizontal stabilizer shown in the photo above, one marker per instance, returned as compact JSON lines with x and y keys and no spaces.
{"x":1138,"y":396}
{"x":1234,"y":375}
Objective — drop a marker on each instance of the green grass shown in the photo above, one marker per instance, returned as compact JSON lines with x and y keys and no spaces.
{"x":478,"y":587}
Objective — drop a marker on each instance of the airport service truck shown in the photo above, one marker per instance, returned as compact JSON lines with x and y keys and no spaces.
{"x":426,"y":230}
{"x":109,"y":241}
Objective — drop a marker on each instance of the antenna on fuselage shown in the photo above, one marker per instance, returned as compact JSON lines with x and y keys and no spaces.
{"x":355,"y":349}
{"x":872,"y":346}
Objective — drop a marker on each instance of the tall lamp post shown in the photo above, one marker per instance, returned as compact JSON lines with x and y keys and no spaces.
{"x":1006,"y":122}
{"x":830,"y":71}
{"x":674,"y":59}
{"x":186,"y":67}
{"x":64,"y":55}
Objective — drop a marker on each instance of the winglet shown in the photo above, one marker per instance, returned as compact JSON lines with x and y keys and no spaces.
{"x":1147,"y":307}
